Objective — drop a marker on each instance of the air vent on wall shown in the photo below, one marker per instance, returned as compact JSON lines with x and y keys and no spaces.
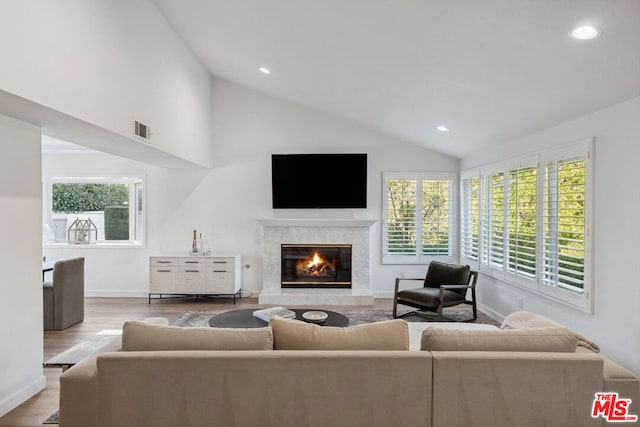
{"x":141,"y":130}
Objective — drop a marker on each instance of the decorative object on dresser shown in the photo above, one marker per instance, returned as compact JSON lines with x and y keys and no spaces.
{"x":214,"y":275}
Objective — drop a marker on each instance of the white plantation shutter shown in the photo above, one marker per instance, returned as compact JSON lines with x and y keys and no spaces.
{"x":418,"y":217}
{"x":496,"y":220}
{"x":401,"y":228}
{"x":522,"y":220}
{"x":566,"y":246}
{"x":564,"y":223}
{"x":492,"y":220}
{"x":470,"y":216}
{"x":485,"y":223}
{"x":436,"y":217}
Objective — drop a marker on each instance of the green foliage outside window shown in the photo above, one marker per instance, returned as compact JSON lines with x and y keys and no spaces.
{"x":87,"y":197}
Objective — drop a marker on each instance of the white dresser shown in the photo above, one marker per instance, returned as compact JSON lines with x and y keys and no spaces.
{"x":215,"y":274}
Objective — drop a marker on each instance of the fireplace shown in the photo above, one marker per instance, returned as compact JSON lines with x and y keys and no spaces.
{"x":316,"y":266}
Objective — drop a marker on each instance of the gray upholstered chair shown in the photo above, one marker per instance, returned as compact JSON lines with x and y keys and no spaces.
{"x":63,"y":298}
{"x":445,"y":285}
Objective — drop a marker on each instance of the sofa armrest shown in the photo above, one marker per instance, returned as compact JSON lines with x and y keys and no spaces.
{"x":79,"y":394}
{"x":622,"y":381}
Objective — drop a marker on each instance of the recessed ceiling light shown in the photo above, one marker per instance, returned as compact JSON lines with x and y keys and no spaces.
{"x":265,"y":70}
{"x":443,"y":128}
{"x":585,"y":32}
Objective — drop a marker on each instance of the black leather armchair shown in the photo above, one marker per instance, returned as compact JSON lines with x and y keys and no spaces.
{"x":445,"y":285}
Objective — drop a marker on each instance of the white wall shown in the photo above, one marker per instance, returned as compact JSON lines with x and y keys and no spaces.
{"x":107,"y":62}
{"x":614,"y":323}
{"x":20,"y":262}
{"x":225,"y":202}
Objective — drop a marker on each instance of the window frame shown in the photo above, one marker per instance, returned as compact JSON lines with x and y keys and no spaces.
{"x":419,"y":257}
{"x":137,"y":231}
{"x":584,"y":149}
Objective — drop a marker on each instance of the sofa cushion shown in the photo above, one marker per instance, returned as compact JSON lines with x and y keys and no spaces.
{"x":527,"y":319}
{"x":140,"y":336}
{"x":536,"y":340}
{"x":289,"y":334}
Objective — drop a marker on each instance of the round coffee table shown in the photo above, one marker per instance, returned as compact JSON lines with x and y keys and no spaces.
{"x":244,"y":318}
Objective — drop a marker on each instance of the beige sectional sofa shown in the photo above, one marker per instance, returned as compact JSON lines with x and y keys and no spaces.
{"x":359,"y":376}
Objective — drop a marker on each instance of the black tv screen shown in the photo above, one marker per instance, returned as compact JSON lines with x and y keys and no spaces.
{"x":326,"y":181}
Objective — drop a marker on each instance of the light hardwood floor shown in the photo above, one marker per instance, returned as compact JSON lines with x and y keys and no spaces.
{"x":111,"y":313}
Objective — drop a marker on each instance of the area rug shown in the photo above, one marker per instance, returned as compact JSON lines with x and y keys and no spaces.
{"x":193,"y":318}
{"x":53,"y":419}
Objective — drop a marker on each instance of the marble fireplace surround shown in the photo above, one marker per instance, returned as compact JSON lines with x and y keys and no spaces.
{"x":278,"y":231}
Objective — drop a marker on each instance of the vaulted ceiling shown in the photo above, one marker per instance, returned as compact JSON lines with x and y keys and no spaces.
{"x":489,"y":70}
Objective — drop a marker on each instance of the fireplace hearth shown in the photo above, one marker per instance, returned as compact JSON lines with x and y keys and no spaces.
{"x":316,"y":266}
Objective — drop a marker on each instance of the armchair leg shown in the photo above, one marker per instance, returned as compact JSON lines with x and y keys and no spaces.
{"x":395,"y":307}
{"x":473,"y":304}
{"x":439,"y":313}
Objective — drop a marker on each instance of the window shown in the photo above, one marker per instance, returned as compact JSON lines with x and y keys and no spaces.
{"x":418,"y":217}
{"x":94,"y":210}
{"x":532,"y":216}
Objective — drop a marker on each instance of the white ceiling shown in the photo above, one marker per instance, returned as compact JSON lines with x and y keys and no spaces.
{"x":490,"y":70}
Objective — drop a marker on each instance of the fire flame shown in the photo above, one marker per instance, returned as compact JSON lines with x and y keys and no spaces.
{"x":315,"y":261}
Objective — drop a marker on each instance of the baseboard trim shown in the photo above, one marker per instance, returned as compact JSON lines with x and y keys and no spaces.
{"x":491,"y":313}
{"x":20,"y":396}
{"x":382,"y":294}
{"x":116,"y":294}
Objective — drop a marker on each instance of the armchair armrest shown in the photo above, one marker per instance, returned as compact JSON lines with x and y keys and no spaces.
{"x":448,"y":287}
{"x":399,"y":279}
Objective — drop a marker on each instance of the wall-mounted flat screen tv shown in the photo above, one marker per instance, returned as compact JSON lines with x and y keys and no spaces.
{"x":319,"y":181}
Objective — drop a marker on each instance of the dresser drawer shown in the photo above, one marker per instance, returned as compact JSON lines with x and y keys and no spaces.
{"x":220,"y":279}
{"x":163,"y":261}
{"x":191,"y":279}
{"x":220,"y":262}
{"x":162,"y":279}
{"x":192,"y":261}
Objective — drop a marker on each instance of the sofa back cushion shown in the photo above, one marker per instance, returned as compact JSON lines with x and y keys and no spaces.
{"x":140,"y":336}
{"x":526,"y":320}
{"x":291,"y":334}
{"x":555,"y":339}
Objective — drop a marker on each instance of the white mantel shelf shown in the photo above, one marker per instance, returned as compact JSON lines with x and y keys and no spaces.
{"x":316,"y":222}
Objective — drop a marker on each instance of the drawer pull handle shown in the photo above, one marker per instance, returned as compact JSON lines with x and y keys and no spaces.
{"x":163,"y":262}
{"x":192,"y":271}
{"x":219,"y":271}
{"x":192,"y":262}
{"x":219,"y":262}
{"x":163,"y":271}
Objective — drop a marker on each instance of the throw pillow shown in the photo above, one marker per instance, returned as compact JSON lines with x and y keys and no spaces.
{"x":289,"y":334}
{"x":140,"y":336}
{"x":527,"y":319}
{"x":535,"y":340}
